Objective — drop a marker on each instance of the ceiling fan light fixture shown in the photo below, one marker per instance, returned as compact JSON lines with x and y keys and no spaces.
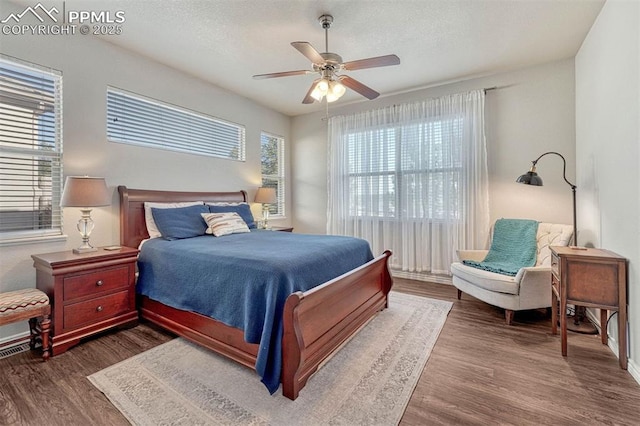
{"x":323,"y":86}
{"x":321,"y":89}
{"x":336,"y":90}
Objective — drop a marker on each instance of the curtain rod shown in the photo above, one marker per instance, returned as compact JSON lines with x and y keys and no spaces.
{"x":485,"y":90}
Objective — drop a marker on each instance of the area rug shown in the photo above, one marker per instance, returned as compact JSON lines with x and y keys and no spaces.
{"x":368,"y":381}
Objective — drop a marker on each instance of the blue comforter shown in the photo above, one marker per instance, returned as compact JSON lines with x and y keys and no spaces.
{"x":243,"y":280}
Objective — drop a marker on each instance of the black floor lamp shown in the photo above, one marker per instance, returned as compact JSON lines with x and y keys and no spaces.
{"x":580,"y":323}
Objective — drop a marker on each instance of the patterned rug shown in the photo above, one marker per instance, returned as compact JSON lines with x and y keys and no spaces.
{"x":368,"y":381}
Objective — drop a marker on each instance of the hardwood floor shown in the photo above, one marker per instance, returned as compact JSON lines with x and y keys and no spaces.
{"x":481,"y":371}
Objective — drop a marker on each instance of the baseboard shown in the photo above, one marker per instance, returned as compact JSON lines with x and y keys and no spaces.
{"x":634,"y":370}
{"x":612,"y":343}
{"x":421,"y":276}
{"x":13,"y":344}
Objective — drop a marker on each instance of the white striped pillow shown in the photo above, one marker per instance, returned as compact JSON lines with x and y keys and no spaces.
{"x":225,"y":223}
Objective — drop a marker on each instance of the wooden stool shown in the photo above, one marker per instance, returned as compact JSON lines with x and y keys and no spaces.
{"x":28,"y":304}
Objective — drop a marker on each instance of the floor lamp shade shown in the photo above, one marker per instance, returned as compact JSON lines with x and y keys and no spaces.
{"x":85,"y":192}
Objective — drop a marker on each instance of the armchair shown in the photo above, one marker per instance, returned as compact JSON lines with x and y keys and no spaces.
{"x":529,"y":289}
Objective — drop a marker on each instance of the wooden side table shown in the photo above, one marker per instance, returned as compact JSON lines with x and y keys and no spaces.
{"x":594,"y":278}
{"x":89,"y":293}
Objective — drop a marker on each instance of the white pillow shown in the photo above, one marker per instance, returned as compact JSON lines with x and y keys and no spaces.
{"x":226,"y":203}
{"x":225,"y":223}
{"x":152,"y":229}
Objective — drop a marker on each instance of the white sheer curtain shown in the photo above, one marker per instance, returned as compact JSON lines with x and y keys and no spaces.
{"x":412,"y":178}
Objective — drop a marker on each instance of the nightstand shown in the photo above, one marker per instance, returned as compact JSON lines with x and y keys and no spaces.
{"x":89,"y":293}
{"x":282,"y":228}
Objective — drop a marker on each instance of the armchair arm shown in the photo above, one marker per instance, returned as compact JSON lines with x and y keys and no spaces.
{"x":534,"y":273}
{"x":535,"y":282}
{"x":477,"y":255}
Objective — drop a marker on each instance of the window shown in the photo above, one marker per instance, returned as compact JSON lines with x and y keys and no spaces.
{"x":136,"y":120}
{"x":30,"y":151}
{"x":272,"y":158}
{"x":411,"y":178}
{"x":418,"y":161}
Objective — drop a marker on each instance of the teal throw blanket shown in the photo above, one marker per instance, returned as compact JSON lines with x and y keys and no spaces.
{"x":513,"y":247}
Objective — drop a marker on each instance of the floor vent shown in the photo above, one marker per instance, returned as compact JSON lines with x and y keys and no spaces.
{"x":14,"y":350}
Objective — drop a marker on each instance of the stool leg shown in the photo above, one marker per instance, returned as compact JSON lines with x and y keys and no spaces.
{"x":44,"y":327}
{"x":33,"y":332}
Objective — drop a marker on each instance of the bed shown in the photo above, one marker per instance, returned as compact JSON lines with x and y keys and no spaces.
{"x":315,"y":322}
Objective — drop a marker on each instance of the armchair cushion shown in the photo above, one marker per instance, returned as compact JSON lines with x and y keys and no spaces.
{"x":485,"y":279}
{"x":471,"y":255}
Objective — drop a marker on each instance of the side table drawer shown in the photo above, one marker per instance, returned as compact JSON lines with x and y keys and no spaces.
{"x":593,"y":282}
{"x":86,"y":284}
{"x":95,"y":310}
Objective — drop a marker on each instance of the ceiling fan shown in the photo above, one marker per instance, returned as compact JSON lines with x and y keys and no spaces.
{"x":331,"y":84}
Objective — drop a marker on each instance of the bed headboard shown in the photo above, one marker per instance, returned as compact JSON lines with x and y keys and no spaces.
{"x":133,"y":228}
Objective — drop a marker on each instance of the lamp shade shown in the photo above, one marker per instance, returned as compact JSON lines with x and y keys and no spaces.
{"x":85,"y":191}
{"x":266,"y":195}
{"x":530,"y":178}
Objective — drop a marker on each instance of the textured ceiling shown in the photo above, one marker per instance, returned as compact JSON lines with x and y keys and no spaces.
{"x":225,"y":42}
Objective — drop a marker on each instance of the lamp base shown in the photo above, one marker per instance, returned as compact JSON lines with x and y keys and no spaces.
{"x":582,"y":326}
{"x":81,"y":250}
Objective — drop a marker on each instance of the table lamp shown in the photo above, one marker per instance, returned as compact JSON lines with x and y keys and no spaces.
{"x":85,"y":192}
{"x":265,"y":196}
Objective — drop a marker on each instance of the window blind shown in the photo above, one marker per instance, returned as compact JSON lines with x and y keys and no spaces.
{"x":418,"y":161}
{"x":272,"y":159}
{"x":136,"y":120}
{"x":30,"y":150}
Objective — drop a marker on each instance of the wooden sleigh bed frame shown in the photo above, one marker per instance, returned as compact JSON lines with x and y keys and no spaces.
{"x":316,"y":322}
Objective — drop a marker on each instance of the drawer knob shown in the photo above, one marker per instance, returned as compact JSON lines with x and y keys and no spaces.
{"x":99,"y":308}
{"x":99,"y":283}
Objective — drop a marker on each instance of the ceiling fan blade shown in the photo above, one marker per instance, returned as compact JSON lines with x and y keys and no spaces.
{"x":309,"y":51}
{"x":354,"y":84}
{"x":308,"y":99}
{"x":378,"y":61}
{"x":282,"y":74}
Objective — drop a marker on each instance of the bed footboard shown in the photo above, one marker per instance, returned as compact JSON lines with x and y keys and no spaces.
{"x":318,"y":321}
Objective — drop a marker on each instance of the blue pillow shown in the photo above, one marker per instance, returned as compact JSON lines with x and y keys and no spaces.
{"x":243,"y":210}
{"x":181,"y":222}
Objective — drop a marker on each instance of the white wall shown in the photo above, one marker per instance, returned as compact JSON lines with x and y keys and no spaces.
{"x":608,"y":147}
{"x":88,"y":66}
{"x":532,"y":111}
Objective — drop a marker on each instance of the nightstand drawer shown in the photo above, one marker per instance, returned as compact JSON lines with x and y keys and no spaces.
{"x":86,"y":284}
{"x":92,"y":311}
